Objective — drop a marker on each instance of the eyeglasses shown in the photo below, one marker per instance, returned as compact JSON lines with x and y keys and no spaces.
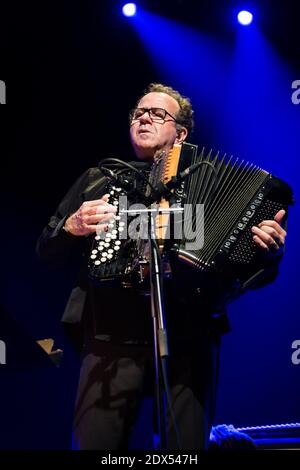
{"x":156,"y":114}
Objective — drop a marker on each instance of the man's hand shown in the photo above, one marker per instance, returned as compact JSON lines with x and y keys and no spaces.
{"x":89,"y":217}
{"x":269,"y":235}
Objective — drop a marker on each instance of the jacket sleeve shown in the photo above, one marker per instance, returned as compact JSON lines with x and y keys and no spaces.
{"x":270,"y":269}
{"x":55,"y":246}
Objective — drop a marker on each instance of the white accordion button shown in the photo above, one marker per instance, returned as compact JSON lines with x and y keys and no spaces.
{"x":109,"y":256}
{"x":93,"y":256}
{"x":103,"y":260}
{"x":118,"y":242}
{"x":116,"y":248}
{"x":97,"y":262}
{"x":94,"y":252}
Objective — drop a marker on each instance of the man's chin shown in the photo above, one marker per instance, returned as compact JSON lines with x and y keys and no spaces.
{"x":145,"y":156}
{"x":144,"y":152}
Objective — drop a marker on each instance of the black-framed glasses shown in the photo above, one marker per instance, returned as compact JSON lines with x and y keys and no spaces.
{"x":156,"y":114}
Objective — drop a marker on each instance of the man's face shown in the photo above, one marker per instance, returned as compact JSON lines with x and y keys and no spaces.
{"x":149,"y":136}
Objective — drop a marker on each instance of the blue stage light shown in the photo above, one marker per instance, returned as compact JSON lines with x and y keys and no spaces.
{"x":129,"y":9}
{"x":245,"y":17}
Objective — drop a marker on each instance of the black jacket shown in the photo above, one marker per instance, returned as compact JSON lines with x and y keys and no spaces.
{"x":111,"y":312}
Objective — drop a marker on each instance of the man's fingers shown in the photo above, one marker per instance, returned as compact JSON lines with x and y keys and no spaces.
{"x":279,"y":216}
{"x":100,"y":210}
{"x":94,"y":219}
{"x":90,"y":229}
{"x":265,"y":240}
{"x":277,"y":236}
{"x":274,"y":225}
{"x":97,"y":202}
{"x":99,"y":228}
{"x":105,"y":197}
{"x":260,"y":243}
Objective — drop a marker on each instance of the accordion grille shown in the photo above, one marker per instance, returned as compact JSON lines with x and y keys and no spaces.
{"x":224,"y":192}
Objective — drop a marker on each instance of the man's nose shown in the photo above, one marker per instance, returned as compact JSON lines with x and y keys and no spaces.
{"x":145,"y":118}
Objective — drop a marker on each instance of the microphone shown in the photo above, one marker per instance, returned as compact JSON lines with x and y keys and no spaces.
{"x":176,"y":180}
{"x":165,"y":188}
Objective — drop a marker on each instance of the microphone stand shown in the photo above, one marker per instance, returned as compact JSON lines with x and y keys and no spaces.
{"x":161,"y":351}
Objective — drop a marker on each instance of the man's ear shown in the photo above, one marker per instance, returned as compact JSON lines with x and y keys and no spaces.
{"x":181,"y":135}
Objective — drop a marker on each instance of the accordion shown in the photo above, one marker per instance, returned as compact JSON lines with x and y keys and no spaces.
{"x":232,"y":195}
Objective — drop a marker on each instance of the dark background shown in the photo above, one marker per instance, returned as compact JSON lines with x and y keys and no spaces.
{"x":73,"y":70}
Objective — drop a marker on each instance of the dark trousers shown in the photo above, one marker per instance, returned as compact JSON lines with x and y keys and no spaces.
{"x":115,"y":380}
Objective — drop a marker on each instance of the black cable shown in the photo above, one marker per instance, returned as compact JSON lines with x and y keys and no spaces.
{"x":127,"y":165}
